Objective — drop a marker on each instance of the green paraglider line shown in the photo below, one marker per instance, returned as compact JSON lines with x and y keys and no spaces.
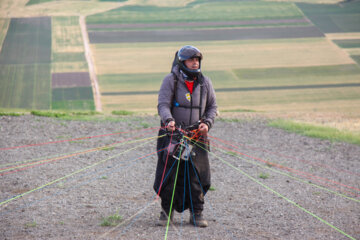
{"x":279,"y":194}
{"x":172,"y":198}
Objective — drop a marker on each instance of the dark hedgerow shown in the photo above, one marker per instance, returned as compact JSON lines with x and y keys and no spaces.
{"x":122,"y":112}
{"x":10,"y":114}
{"x":48,"y":114}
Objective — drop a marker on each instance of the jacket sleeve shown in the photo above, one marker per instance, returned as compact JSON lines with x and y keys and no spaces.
{"x":165,"y":98}
{"x":211,"y":106}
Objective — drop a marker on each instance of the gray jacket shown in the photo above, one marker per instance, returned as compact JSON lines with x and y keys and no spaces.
{"x":186,"y":110}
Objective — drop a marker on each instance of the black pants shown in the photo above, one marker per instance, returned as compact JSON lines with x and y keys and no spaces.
{"x":187,"y":183}
{"x":193,"y":174}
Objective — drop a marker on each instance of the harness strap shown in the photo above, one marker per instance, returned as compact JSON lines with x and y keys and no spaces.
{"x":201,"y":99}
{"x":175,"y":96}
{"x":175,"y":90}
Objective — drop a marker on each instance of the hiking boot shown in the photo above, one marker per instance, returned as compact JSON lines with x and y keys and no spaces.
{"x":163,"y":219}
{"x":198,"y":220}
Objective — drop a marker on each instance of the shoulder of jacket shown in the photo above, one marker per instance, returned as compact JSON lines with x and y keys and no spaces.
{"x":169,"y":78}
{"x":206,"y":78}
{"x":206,"y":81}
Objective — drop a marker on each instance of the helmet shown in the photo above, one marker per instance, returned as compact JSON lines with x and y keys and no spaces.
{"x":185,"y":53}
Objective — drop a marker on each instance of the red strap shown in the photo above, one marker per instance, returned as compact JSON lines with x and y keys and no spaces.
{"x":190,"y":85}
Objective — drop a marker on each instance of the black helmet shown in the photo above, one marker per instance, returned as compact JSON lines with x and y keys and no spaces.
{"x":185,"y":53}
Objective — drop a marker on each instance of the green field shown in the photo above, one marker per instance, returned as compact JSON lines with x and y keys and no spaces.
{"x":25,"y":64}
{"x":297,"y":76}
{"x":348,"y":43}
{"x":68,"y":57}
{"x":130,"y":82}
{"x":75,"y":93}
{"x":84,"y":105}
{"x":356,"y":58}
{"x":27,"y":41}
{"x":74,"y":98}
{"x":198,"y":11}
{"x":331,"y":18}
{"x":25,"y":86}
{"x":31,"y":2}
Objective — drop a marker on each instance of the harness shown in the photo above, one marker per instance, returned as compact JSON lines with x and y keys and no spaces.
{"x":183,"y":142}
{"x":175,"y":102}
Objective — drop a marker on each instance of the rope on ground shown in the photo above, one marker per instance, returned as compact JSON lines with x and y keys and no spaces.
{"x":63,"y":154}
{"x":44,"y":161}
{"x":172,"y":199}
{"x":290,"y":176}
{"x":283,"y":197}
{"x":117,"y":169}
{"x":76,"y":172}
{"x":301,"y":173}
{"x":70,"y":140}
{"x":139,"y":213}
{"x":290,"y":157}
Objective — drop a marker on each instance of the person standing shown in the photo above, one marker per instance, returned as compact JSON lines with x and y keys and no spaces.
{"x":186,"y":97}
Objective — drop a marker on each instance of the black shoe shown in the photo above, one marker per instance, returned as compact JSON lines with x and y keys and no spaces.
{"x":163,"y":219}
{"x":198,"y":220}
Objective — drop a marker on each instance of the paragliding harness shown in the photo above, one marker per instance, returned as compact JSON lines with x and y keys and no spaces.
{"x":174,"y":100}
{"x":183,"y":142}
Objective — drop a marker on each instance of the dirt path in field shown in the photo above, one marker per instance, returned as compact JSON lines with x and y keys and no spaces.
{"x":89,"y":59}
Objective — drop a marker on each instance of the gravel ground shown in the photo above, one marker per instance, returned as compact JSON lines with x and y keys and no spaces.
{"x":268,"y":184}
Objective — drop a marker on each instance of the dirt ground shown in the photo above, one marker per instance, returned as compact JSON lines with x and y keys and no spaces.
{"x":60,"y":179}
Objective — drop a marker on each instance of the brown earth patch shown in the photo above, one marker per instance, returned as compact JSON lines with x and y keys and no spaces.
{"x":70,"y":79}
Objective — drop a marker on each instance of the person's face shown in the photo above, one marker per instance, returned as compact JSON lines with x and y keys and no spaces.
{"x":192,"y":63}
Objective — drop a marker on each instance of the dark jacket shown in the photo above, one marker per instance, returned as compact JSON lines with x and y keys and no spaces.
{"x":188,"y":112}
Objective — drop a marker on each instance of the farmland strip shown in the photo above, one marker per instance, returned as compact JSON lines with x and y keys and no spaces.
{"x":204,"y":35}
{"x":249,"y":88}
{"x":28,"y":41}
{"x":197,"y":24}
{"x":71,"y":79}
{"x":25,"y":86}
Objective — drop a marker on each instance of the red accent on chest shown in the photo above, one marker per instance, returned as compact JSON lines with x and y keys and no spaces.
{"x":190,"y":86}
